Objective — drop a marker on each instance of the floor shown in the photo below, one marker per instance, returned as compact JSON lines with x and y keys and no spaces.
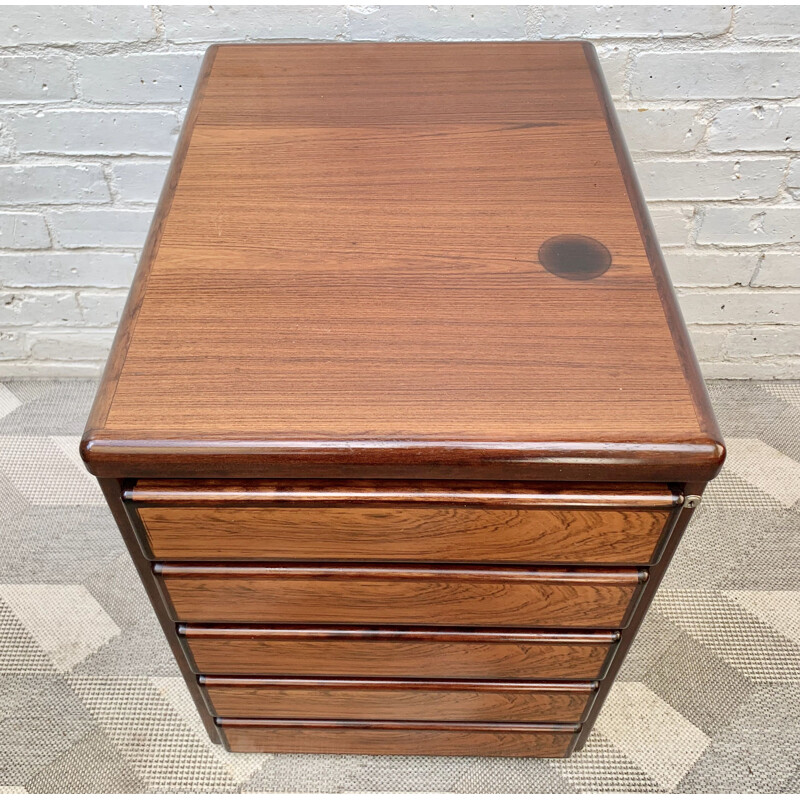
{"x":91,"y":701}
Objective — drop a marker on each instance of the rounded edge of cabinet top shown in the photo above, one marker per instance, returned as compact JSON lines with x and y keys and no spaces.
{"x":345,"y":279}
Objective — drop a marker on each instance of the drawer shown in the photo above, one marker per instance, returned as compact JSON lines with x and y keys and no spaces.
{"x":498,"y":523}
{"x":399,"y":738}
{"x":399,"y":653}
{"x":367,"y":595}
{"x":437,"y":701}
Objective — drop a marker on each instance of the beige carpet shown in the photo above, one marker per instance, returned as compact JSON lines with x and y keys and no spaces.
{"x":91,"y":701}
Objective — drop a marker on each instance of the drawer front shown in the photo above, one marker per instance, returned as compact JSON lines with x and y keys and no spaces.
{"x":298,"y":698}
{"x":421,"y":653}
{"x":398,"y":738}
{"x":400,"y":596}
{"x":445,"y":526}
{"x":404,"y":534}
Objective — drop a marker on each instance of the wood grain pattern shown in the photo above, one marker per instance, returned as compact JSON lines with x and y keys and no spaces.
{"x":476,"y":494}
{"x":399,"y":653}
{"x":378,"y":241}
{"x":297,"y":698}
{"x":396,"y":738}
{"x":666,"y":291}
{"x":396,"y":521}
{"x":400,"y":595}
{"x":365,"y":280}
{"x":116,"y":358}
{"x":405,"y":534}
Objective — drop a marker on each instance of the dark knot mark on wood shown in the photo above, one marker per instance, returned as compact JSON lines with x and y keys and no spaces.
{"x":576,"y":258}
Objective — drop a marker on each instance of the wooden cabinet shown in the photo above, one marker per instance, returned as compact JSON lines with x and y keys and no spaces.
{"x":455,"y":701}
{"x":402,"y":425}
{"x":487,"y":596}
{"x":475,"y":654}
{"x":397,"y":521}
{"x":399,"y":738}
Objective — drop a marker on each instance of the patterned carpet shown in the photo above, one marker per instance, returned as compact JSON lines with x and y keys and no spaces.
{"x":91,"y":701}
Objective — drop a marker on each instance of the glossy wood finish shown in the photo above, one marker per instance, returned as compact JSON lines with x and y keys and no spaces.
{"x":655,"y":576}
{"x":398,"y":534}
{"x":453,"y":530}
{"x":400,"y":595}
{"x":396,"y":738}
{"x":666,"y":291}
{"x":439,"y":701}
{"x":391,"y":305}
{"x":475,"y":494}
{"x":378,"y":236}
{"x":398,"y":653}
{"x":113,"y":490}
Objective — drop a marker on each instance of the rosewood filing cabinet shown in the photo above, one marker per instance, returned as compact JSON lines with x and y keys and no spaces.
{"x":402,"y":425}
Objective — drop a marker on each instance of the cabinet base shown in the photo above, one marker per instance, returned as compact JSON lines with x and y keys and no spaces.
{"x":399,"y":738}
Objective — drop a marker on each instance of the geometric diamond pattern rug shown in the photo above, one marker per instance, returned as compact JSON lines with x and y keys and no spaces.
{"x":91,"y":700}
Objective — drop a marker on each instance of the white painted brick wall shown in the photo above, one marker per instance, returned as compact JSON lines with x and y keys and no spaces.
{"x":745,"y":225}
{"x":442,"y":22}
{"x":757,"y":126}
{"x":91,"y":99}
{"x":52,"y":184}
{"x":23,"y":231}
{"x":140,"y":78}
{"x":89,"y":131}
{"x":35,"y":79}
{"x":718,"y":74}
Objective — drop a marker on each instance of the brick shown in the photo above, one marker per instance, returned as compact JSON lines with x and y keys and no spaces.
{"x":439,"y":23}
{"x":253,"y":23}
{"x":139,"y":181}
{"x":708,"y":341}
{"x":6,"y":150}
{"x":53,"y":184}
{"x":750,"y":179}
{"x":736,"y":342}
{"x":76,"y":345}
{"x":716,"y":75}
{"x":672,"y":224}
{"x":750,"y":225}
{"x":90,"y":132}
{"x":614,"y":63}
{"x":21,"y":308}
{"x":767,"y":22}
{"x":12,"y":345}
{"x":710,"y":267}
{"x":23,"y":232}
{"x":774,"y":369}
{"x":101,"y":308}
{"x":763,"y":342}
{"x":35,"y":79}
{"x":754,"y":128}
{"x":793,"y":180}
{"x":82,"y":268}
{"x":100,"y":227}
{"x":778,"y":269}
{"x":57,"y":370}
{"x":141,"y":78}
{"x":740,"y":306}
{"x":661,"y":130}
{"x":634,"y":21}
{"x":70,"y":24}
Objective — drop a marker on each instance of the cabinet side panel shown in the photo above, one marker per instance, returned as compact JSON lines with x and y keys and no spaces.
{"x":656,"y":574}
{"x":112,"y":489}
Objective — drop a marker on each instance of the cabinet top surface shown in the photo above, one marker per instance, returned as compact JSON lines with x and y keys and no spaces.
{"x":400,"y":254}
